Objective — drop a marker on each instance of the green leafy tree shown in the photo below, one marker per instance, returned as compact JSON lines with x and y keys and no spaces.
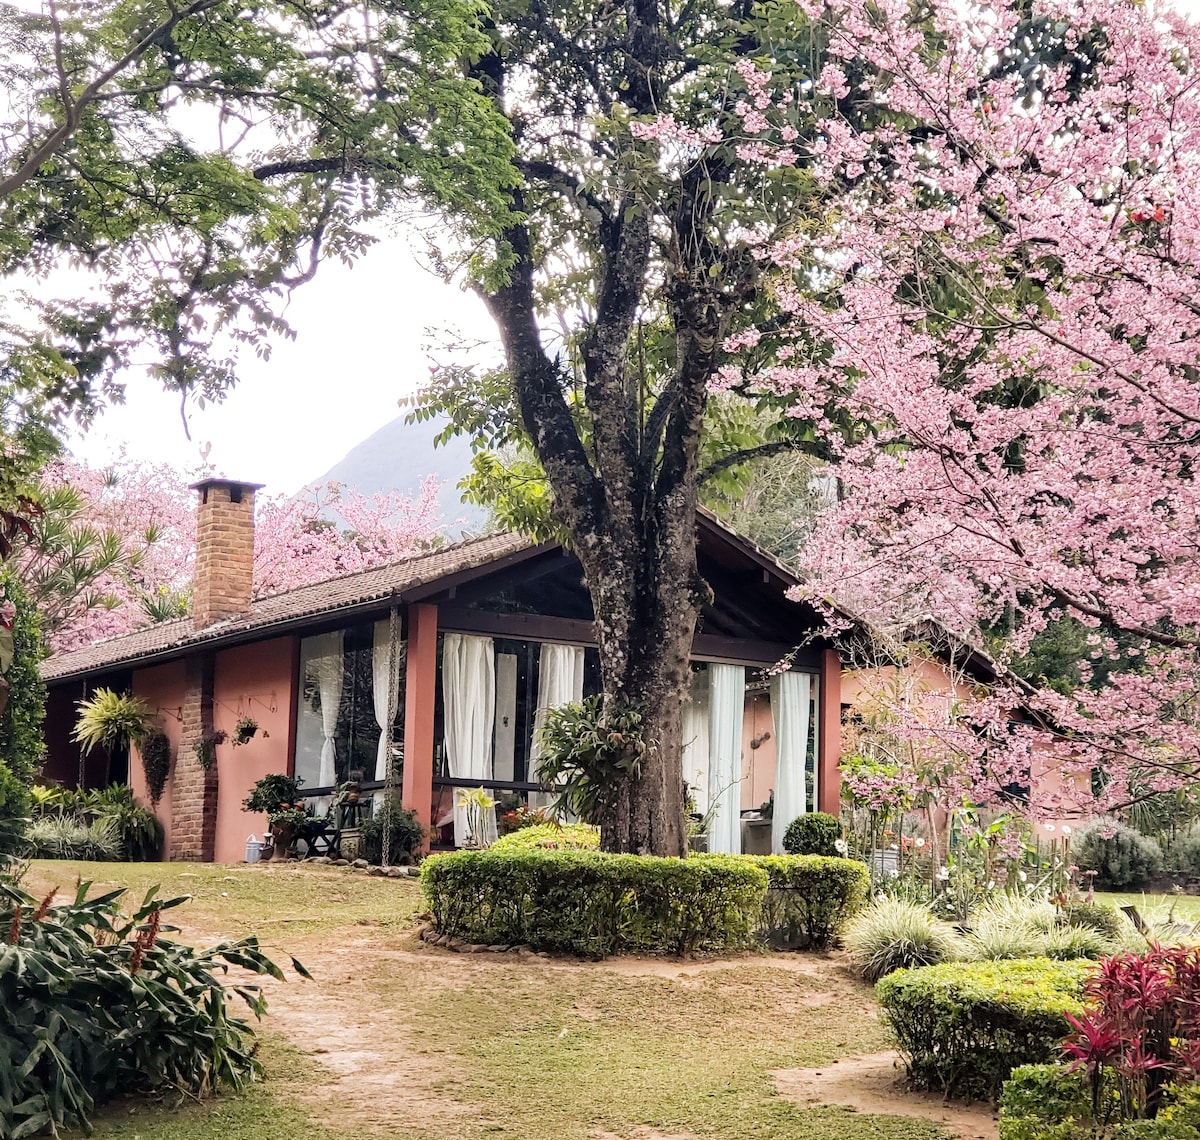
{"x":194,"y":162}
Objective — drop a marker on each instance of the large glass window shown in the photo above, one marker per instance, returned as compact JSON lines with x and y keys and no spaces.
{"x":342,"y":701}
{"x":492,"y":696}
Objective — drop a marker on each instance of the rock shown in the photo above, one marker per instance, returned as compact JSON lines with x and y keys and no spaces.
{"x":477,"y":948}
{"x":361,"y":864}
{"x":499,"y":949}
{"x":377,"y":872}
{"x":397,"y":873}
{"x":320,"y":860}
{"x":341,"y":862}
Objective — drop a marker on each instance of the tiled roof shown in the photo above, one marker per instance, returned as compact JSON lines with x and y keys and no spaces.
{"x":380,"y":584}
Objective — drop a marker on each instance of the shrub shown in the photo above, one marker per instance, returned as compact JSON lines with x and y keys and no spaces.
{"x":595,"y":904}
{"x":273,"y":792}
{"x":66,"y":837}
{"x":1042,"y":1101}
{"x":551,"y":837}
{"x":21,"y":743}
{"x":809,"y":898}
{"x":964,"y":1026}
{"x":405,"y":833}
{"x":1069,"y":942}
{"x":97,"y":1005}
{"x":1184,"y":854}
{"x":1120,"y":856}
{"x":14,"y":812}
{"x":893,"y":934}
{"x":813,"y":833}
{"x":1105,"y":920}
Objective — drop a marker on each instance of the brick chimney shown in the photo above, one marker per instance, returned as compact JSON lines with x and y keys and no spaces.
{"x":224,"y":549}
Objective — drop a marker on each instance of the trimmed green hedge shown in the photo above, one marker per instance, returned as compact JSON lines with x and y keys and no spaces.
{"x":550,"y":837}
{"x":964,"y":1026}
{"x":809,"y":899}
{"x":594,"y":904}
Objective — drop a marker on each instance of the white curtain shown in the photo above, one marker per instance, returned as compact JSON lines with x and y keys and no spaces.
{"x":790,"y":694}
{"x":560,"y":682}
{"x":695,"y":739}
{"x":327,"y":649}
{"x":383,"y":681}
{"x":469,"y":703}
{"x":727,"y":710}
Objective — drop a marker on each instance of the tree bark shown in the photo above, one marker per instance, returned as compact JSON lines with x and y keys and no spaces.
{"x":627,"y":493}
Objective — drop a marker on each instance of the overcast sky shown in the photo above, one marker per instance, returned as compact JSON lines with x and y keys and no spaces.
{"x":361,"y":343}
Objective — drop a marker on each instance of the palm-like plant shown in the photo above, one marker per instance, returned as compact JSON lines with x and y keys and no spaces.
{"x":110,"y":720}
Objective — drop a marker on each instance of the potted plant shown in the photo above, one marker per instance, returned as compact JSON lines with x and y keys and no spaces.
{"x":244,"y":731}
{"x":286,"y":825}
{"x":272,"y":792}
{"x":206,"y":747}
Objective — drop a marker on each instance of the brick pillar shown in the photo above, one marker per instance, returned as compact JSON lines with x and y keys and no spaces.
{"x":194,"y":790}
{"x":829,"y":752}
{"x":224,"y":575}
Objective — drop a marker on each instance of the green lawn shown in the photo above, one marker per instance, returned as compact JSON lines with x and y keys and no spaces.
{"x":396,"y":1039}
{"x":1186,"y":908}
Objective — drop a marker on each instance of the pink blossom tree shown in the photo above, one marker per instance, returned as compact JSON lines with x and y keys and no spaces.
{"x":115,"y":547}
{"x":998,"y":332}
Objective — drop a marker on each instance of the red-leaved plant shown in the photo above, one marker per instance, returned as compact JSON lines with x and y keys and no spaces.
{"x":1142,"y":1027}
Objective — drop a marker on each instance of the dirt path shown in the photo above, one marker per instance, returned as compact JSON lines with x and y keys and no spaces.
{"x":378,"y":1073}
{"x":875,"y":1084}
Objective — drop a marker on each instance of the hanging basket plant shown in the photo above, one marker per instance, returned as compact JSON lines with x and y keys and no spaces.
{"x":206,"y":748}
{"x":244,"y":731}
{"x":156,"y":764}
{"x":111,"y":720}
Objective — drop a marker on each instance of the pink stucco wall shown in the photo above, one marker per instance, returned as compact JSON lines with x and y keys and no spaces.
{"x":161,"y":687}
{"x":254,"y":680}
{"x":251,"y":679}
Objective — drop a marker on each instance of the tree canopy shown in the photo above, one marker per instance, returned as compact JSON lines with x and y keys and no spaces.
{"x":1008,"y":298}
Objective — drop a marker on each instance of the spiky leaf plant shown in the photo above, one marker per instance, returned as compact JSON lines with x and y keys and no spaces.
{"x":110,"y":720}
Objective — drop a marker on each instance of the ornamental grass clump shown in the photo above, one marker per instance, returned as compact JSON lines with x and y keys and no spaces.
{"x":962,"y":1027}
{"x":66,"y":837}
{"x":1008,"y":927}
{"x":893,"y":934}
{"x":96,"y":1004}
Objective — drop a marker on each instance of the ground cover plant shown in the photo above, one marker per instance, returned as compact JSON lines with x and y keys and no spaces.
{"x":963,"y":1027}
{"x":96,"y":1004}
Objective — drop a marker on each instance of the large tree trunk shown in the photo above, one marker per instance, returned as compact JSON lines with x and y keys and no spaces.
{"x":626,"y":492}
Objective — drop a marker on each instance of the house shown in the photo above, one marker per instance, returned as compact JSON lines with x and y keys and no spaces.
{"x":431,"y":674}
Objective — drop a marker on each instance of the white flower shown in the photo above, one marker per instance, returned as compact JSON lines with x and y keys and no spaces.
{"x":1022,"y":876}
{"x":1066,"y":829}
{"x":919,"y":842}
{"x":839,"y":845}
{"x":943,"y":874}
